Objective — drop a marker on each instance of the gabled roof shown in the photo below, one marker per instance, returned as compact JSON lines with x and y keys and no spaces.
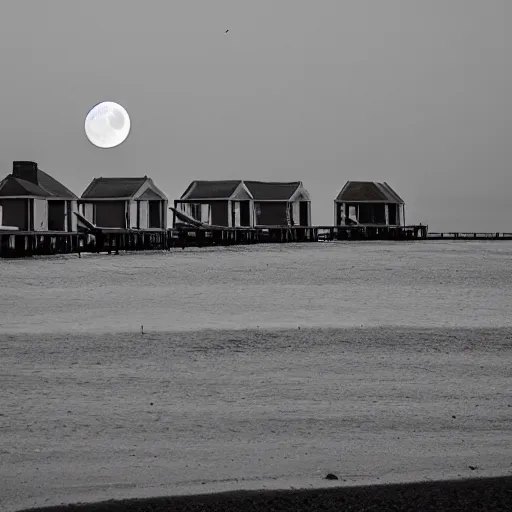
{"x":264,"y":190}
{"x":201,"y":189}
{"x":103,"y":188}
{"x":28,"y":180}
{"x":259,"y":190}
{"x":360,"y":191}
{"x":12,"y":186}
{"x":53,"y":186}
{"x":392,"y":193}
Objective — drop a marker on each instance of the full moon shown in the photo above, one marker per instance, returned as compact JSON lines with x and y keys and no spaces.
{"x":107,"y":125}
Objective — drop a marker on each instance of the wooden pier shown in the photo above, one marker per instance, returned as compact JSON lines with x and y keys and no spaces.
{"x":469,"y":236}
{"x":19,"y":244}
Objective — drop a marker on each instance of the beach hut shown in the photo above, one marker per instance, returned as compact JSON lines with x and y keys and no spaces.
{"x":32,"y":200}
{"x":124,"y":203}
{"x":280,"y":203}
{"x":241,"y":203}
{"x":368,"y":203}
{"x":220,"y":202}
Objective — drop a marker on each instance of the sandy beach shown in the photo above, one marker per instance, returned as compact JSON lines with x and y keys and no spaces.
{"x":358,"y":360}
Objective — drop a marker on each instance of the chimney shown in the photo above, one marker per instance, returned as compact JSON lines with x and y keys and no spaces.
{"x":25,"y":171}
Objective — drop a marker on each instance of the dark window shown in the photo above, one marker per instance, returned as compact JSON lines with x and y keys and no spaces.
{"x":15,"y":212}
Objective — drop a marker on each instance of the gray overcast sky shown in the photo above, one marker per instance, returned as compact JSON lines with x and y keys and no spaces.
{"x":412,"y":92}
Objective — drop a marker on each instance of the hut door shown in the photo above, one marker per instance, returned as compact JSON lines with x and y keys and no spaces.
{"x":296,"y":213}
{"x":235,"y":214}
{"x":245,"y":215}
{"x":205,"y":213}
{"x":40,"y":215}
{"x":56,"y":215}
{"x":219,"y":213}
{"x":352,"y":213}
{"x":134,"y":214}
{"x":392,"y":214}
{"x":110,"y":214}
{"x":154,"y":214}
{"x":143,"y":215}
{"x":303,"y":213}
{"x":340,"y":214}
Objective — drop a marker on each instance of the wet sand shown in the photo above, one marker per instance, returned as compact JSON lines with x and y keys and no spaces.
{"x":486,"y":494}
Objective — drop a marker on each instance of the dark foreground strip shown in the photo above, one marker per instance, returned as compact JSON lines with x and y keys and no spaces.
{"x":486,"y":494}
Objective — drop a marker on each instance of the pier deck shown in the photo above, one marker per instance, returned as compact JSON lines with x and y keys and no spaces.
{"x":469,"y":236}
{"x":16,"y":244}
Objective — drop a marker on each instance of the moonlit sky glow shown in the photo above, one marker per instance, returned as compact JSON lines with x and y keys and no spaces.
{"x":412,"y":92}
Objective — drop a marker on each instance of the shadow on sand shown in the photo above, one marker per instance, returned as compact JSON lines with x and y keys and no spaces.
{"x":485,"y":494}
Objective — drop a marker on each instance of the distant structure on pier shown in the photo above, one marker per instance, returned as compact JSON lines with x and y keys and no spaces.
{"x":124,"y":203}
{"x":240,"y":203}
{"x":368,"y":203}
{"x":32,"y":200}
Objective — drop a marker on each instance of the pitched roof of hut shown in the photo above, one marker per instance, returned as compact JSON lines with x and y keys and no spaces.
{"x":28,"y":180}
{"x":258,"y":190}
{"x":102,"y":188}
{"x":211,"y":189}
{"x":362,"y":191}
{"x":272,"y":190}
